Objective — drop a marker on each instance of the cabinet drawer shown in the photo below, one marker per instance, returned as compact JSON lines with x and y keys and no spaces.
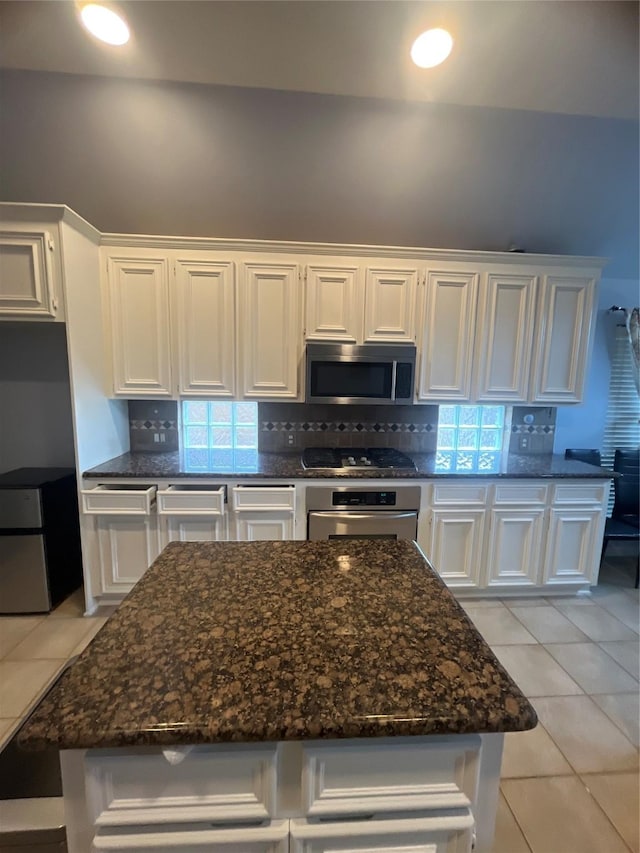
{"x":580,"y":493}
{"x":107,"y":499}
{"x":263,"y":498}
{"x":453,"y":494}
{"x":417,"y":834}
{"x":209,"y":784}
{"x":528,"y":494}
{"x":191,"y":500}
{"x":273,"y":838}
{"x":431,"y":773}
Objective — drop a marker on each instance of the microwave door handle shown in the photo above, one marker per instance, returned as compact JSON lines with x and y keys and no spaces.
{"x":393,"y":380}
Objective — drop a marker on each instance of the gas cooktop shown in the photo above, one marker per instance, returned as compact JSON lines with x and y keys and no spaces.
{"x":341,"y":458}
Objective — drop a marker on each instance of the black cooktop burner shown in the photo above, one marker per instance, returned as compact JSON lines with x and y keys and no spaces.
{"x":355,"y":457}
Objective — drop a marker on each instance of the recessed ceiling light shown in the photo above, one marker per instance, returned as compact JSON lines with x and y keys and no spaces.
{"x":431,"y":48}
{"x":105,"y":24}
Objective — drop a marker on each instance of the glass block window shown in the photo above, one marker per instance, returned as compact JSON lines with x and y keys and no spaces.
{"x":470,"y":438}
{"x":219,"y":435}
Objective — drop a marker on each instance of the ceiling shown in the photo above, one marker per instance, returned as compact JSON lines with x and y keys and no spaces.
{"x":556,"y":56}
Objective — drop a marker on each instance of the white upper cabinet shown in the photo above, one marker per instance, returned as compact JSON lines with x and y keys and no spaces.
{"x":565,"y":319}
{"x":138,"y":301}
{"x":357,"y":303}
{"x":446,"y":350}
{"x":270,"y":330}
{"x":27,"y":273}
{"x":504,"y":336}
{"x":205,"y":327}
{"x":390,"y":304}
{"x":334,"y":297}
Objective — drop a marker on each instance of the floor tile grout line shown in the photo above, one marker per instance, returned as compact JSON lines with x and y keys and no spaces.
{"x":615,"y":828}
{"x":517,"y":823}
{"x":589,"y":696}
{"x":586,"y":692}
{"x":608,"y":612}
{"x":600,"y":643}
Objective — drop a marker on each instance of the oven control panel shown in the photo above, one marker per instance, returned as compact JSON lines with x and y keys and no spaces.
{"x":353,"y":498}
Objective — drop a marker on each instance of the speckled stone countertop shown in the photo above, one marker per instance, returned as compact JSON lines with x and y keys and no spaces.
{"x":266,"y":641}
{"x":288,"y":466}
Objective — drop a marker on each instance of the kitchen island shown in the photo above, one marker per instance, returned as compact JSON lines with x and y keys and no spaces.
{"x":248,"y":695}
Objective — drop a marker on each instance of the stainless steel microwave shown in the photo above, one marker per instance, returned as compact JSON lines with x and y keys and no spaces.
{"x":344,"y":373}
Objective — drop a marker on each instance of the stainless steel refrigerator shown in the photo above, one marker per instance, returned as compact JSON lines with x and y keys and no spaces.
{"x":40,"y":556}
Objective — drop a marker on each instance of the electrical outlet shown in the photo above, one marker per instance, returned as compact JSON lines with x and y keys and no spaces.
{"x":291,"y":439}
{"x":523,"y":444}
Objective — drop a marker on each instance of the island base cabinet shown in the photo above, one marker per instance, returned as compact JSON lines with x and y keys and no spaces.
{"x":426,"y":794}
{"x":422,"y":833}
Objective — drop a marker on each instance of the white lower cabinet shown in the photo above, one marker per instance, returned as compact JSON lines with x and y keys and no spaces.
{"x":127,"y":533}
{"x":262,"y":513}
{"x":514,"y":546}
{"x":506,"y":534}
{"x":127,"y":547}
{"x":192,"y":513}
{"x":573,"y":546}
{"x":455,"y":547}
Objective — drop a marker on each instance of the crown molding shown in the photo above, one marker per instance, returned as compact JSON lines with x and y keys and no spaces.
{"x":149,"y":241}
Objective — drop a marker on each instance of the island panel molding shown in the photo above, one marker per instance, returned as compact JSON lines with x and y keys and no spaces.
{"x":208,"y":784}
{"x":359,"y":779}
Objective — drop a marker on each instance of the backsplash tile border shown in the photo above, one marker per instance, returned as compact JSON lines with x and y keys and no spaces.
{"x":344,"y":426}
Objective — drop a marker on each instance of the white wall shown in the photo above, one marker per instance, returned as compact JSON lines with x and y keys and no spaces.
{"x":35,"y":398}
{"x":583,"y":425}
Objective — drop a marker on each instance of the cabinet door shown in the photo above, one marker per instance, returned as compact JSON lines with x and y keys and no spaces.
{"x":206,"y":328}
{"x":565,"y":323}
{"x":270,"y":333}
{"x":177,"y":528}
{"x":264,"y":526}
{"x":334,"y":303}
{"x":127,"y":547}
{"x":447,"y":337}
{"x":573,"y":545}
{"x":27,"y":286}
{"x":514,"y":547}
{"x":139,"y":312}
{"x":390,"y":304}
{"x":455,"y":548}
{"x":504,"y":336}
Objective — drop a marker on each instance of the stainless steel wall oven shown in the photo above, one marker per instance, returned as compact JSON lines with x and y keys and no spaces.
{"x":362,"y":512}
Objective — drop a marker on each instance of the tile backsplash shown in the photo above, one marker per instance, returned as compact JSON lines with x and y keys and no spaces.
{"x":153,"y":425}
{"x":285,"y":426}
{"x":532,"y":429}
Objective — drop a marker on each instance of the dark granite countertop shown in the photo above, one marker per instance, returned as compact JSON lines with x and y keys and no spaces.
{"x":267,"y":641}
{"x":288,"y":466}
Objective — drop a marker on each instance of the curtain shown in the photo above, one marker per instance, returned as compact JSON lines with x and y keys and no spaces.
{"x":633,"y":331}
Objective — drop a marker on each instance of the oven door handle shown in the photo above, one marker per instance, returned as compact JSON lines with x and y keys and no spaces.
{"x":351,"y":515}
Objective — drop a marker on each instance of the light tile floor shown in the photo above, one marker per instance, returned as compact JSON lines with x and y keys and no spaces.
{"x":568,"y":786}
